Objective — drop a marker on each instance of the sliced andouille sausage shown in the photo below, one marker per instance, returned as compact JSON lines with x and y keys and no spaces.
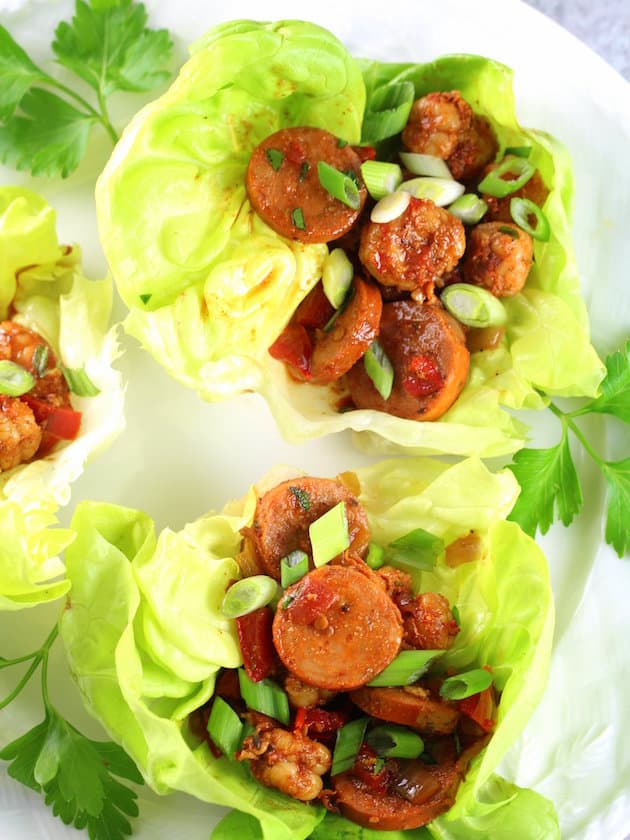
{"x":411,"y":706}
{"x":414,"y":250}
{"x":498,"y":257}
{"x":336,"y":629}
{"x":427,"y":349}
{"x":284,"y":188}
{"x":390,"y":812}
{"x":284,"y":513}
{"x":354,"y":329}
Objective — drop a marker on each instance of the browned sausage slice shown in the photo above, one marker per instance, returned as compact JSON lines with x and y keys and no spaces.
{"x":410,"y":706}
{"x":355,"y":328}
{"x":336,"y":628}
{"x":284,"y":513}
{"x":284,"y":188}
{"x":427,"y":349}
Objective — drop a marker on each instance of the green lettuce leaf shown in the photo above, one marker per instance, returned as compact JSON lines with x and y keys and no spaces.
{"x":43,"y":282}
{"x":209,"y":286}
{"x":145,"y":639}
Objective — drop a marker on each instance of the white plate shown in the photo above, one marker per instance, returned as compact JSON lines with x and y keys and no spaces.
{"x":180,"y":457}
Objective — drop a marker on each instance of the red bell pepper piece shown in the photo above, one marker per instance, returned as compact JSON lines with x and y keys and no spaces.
{"x":294,"y":347}
{"x":423,"y":377}
{"x":256,"y":641}
{"x":62,"y":422}
{"x":309,"y":600}
{"x":315,"y":311}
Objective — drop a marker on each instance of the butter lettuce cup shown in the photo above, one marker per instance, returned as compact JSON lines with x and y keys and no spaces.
{"x":61,"y":400}
{"x":236,"y":214}
{"x":328,"y":657}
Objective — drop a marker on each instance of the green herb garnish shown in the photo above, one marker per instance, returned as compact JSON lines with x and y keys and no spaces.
{"x":302,"y":497}
{"x":275,"y":158}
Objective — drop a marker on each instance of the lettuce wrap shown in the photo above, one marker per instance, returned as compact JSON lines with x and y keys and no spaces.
{"x":210,"y":286}
{"x":42,"y":286}
{"x":145,"y":639}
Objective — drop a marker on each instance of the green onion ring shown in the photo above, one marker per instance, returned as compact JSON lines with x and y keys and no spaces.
{"x":521,"y":209}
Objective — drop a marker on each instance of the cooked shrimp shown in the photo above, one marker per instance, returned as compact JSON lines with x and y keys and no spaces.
{"x":413,"y":251}
{"x":498,"y":257}
{"x":20,"y":436}
{"x":444,"y":125}
{"x":21,"y":345}
{"x":288,"y":761}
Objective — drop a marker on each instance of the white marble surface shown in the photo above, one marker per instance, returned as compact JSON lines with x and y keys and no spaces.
{"x":603,"y":26}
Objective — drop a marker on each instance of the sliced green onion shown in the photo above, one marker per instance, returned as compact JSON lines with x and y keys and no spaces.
{"x":79,"y":382}
{"x":337,"y":275}
{"x":347,"y":745}
{"x":391,"y":741}
{"x":331,"y":322}
{"x":265,"y":697}
{"x":275,"y":158}
{"x":474,"y":305}
{"x":293,"y":567}
{"x":376,"y":556}
{"x":40,"y":359}
{"x":469,"y":208}
{"x":521,"y":209}
{"x":420,"y":164}
{"x":297,"y":217}
{"x":390,"y":207}
{"x":418,"y":548}
{"x":329,"y":534}
{"x":496,"y":185}
{"x":304,"y":170}
{"x":441,"y":191}
{"x":248,"y":594}
{"x":225,"y":727}
{"x":509,"y":231}
{"x":14,"y":379}
{"x":465,"y":685}
{"x":381,"y":178}
{"x":379,"y":368}
{"x":386,"y":111}
{"x":456,"y":615}
{"x":339,"y":185}
{"x":406,"y":668}
{"x":519,"y":151}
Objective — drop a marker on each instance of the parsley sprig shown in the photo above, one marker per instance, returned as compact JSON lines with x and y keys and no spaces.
{"x":44,"y":124}
{"x":550,"y":486}
{"x":76,"y":775}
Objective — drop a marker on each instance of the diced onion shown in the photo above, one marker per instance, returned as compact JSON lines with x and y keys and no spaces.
{"x":441,"y":191}
{"x":430,"y":165}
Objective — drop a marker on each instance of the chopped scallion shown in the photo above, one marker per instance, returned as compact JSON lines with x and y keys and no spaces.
{"x":40,"y":359}
{"x":265,"y":697}
{"x":469,"y":208}
{"x":293,"y":567}
{"x":386,"y":111}
{"x":347,"y":745}
{"x":375,"y":557}
{"x":521,"y":209}
{"x":495,"y":184}
{"x":406,"y":668}
{"x":441,"y":191}
{"x":304,"y":170}
{"x":14,"y":379}
{"x":329,"y":534}
{"x":248,"y":594}
{"x":380,"y":177}
{"x":297,"y":217}
{"x":225,"y":727}
{"x":420,"y":164}
{"x":418,"y":549}
{"x":337,"y":274}
{"x":340,"y":185}
{"x":519,"y":151}
{"x":391,"y":741}
{"x":79,"y":382}
{"x":474,"y":306}
{"x":275,"y":158}
{"x":379,"y":368}
{"x":466,"y":684}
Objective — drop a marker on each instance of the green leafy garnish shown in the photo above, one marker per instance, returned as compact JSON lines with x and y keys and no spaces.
{"x":44,"y":124}
{"x":77,"y":776}
{"x":302,"y":497}
{"x":550,"y":486}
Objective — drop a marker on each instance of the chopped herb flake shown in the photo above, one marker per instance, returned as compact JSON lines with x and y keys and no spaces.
{"x":40,"y":359}
{"x":297,"y":217}
{"x":341,"y":143}
{"x":275,"y":158}
{"x":146,"y":298}
{"x":510,"y":231}
{"x":302,"y":497}
{"x":304,"y":170}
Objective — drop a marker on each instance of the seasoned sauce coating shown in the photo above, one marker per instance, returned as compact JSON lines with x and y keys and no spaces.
{"x":291,"y":183}
{"x":336,"y":351}
{"x":284,"y":513}
{"x":410,"y":331}
{"x":498,"y":257}
{"x":20,"y":436}
{"x":412,"y":706}
{"x":443,"y":124}
{"x":343,"y":645}
{"x":413,"y":251}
